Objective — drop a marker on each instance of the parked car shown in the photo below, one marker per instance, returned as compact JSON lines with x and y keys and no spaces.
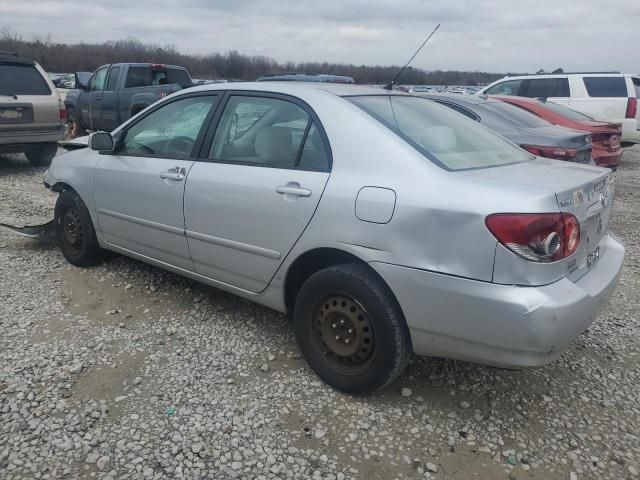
{"x":534,"y":134}
{"x":607,"y":96}
{"x":383,"y":222}
{"x":305,"y":77}
{"x":605,"y":136}
{"x":114,"y":93}
{"x":31,"y":113}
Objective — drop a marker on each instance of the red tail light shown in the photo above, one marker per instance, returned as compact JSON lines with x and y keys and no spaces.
{"x":538,"y":237}
{"x":63,"y":113}
{"x":632,"y":107}
{"x":556,"y":153}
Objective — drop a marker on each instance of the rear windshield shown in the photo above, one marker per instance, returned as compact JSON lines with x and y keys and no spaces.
{"x":501,"y":117}
{"x":445,"y":137}
{"x":567,"y":112}
{"x":22,"y":80}
{"x":606,"y":86}
{"x":152,"y":76}
{"x":636,"y":85}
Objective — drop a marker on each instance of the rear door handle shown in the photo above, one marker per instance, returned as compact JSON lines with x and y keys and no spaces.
{"x":175,"y":173}
{"x":295,"y":191}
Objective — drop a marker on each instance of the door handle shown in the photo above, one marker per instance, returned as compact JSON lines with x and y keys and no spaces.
{"x":295,"y":191}
{"x":175,"y":173}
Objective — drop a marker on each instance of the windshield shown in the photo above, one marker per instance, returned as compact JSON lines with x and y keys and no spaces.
{"x":444,"y":136}
{"x":567,"y":112}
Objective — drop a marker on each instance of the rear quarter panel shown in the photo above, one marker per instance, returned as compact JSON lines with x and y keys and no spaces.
{"x":438,"y":221}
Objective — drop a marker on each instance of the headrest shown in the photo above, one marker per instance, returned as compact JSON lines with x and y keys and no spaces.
{"x":438,"y":139}
{"x":275,"y":145}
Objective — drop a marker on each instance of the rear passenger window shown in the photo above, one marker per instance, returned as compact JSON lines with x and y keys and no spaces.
{"x":314,"y":153}
{"x":547,"y":87}
{"x":606,"y":86}
{"x":18,"y":79}
{"x":260,"y":131}
{"x":636,"y":86}
{"x":510,"y":87}
{"x":112,"y":81}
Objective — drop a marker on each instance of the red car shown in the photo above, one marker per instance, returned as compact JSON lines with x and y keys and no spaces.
{"x":605,"y":136}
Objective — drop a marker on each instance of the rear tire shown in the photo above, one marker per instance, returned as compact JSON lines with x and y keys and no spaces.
{"x":42,"y":155}
{"x":74,"y":231}
{"x":350,"y":329}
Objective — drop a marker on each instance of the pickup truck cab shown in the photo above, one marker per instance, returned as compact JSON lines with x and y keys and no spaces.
{"x":116,"y":92}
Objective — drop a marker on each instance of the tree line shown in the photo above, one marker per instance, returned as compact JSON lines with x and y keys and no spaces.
{"x":232,"y":65}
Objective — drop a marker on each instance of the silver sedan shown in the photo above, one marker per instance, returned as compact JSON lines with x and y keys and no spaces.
{"x":383,"y":223}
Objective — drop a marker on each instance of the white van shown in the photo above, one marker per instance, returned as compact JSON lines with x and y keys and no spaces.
{"x":609,"y":96}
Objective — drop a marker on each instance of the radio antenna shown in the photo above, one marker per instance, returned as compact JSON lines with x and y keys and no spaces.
{"x":389,"y":86}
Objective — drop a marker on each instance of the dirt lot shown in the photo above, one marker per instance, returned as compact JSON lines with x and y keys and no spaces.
{"x":126,"y":371}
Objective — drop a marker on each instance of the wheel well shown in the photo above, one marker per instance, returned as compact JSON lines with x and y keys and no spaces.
{"x":309,"y":263}
{"x":60,"y":187}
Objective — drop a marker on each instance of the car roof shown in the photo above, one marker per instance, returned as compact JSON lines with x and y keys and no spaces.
{"x":298,"y":88}
{"x":10,"y":57}
{"x":564,"y":75}
{"x":459,"y":99}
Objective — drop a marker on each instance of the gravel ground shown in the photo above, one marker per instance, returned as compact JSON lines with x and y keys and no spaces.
{"x":126,"y":371}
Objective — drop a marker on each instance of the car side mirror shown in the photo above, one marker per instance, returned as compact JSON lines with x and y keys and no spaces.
{"x":101,"y":142}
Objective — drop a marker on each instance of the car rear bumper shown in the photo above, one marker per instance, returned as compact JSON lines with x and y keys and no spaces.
{"x":15,"y":139}
{"x":604,"y":158}
{"x":501,"y":325}
{"x":630,"y":131}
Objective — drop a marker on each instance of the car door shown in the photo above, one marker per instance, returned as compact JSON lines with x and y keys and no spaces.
{"x":91,"y":101}
{"x":109,"y":104}
{"x":555,"y":90}
{"x":255,"y":188}
{"x":139,"y":188}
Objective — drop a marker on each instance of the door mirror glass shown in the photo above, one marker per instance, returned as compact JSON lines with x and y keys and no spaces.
{"x":101,"y":142}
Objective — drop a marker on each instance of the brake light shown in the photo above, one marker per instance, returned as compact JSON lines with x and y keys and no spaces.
{"x":611,"y":140}
{"x":63,"y":113}
{"x":538,"y":237}
{"x":632,"y":107}
{"x":552,"y":152}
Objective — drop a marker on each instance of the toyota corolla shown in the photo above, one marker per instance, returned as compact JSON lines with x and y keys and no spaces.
{"x":383,"y":223}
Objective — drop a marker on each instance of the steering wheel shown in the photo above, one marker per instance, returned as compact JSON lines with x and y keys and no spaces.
{"x":181,"y":144}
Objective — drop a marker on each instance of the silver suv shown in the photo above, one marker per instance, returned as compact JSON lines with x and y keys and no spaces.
{"x":32,"y":115}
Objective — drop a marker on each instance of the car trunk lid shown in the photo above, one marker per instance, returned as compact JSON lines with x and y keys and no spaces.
{"x":583,"y":191}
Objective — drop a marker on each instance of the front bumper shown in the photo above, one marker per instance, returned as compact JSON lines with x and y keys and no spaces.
{"x":501,"y":325}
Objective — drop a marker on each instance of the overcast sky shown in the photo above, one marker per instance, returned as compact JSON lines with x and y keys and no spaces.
{"x":488,"y":35}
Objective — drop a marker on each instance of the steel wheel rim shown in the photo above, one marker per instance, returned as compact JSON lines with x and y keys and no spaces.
{"x":72,"y":229}
{"x":343,"y":334}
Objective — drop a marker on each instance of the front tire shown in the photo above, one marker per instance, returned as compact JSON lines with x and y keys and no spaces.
{"x":350,"y":329}
{"x":42,"y":155}
{"x":74,"y":231}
